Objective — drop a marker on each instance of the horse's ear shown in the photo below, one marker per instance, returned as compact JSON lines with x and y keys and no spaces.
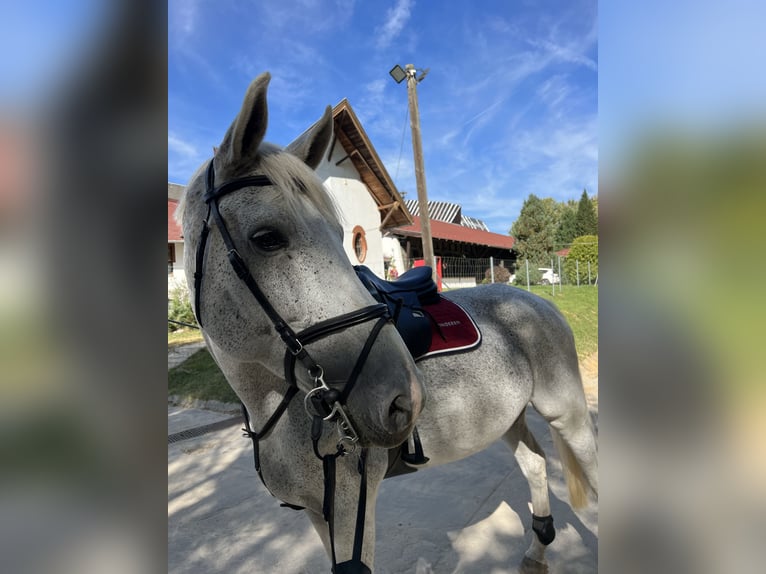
{"x":245,"y":134}
{"x":311,"y":145}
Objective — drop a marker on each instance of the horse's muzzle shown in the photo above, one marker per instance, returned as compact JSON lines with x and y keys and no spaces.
{"x":397,"y":416}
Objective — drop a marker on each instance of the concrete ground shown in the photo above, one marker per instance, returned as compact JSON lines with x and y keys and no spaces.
{"x":471,"y":516}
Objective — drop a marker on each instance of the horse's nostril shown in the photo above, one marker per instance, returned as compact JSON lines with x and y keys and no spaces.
{"x":401,"y":404}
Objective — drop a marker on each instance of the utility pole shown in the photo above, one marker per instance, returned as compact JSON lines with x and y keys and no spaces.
{"x":417,"y":150}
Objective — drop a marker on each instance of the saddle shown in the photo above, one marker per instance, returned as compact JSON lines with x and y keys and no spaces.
{"x":406,"y":297}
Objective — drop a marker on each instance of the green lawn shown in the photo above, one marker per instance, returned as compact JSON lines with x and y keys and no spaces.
{"x":579,"y":305}
{"x":200,"y":378}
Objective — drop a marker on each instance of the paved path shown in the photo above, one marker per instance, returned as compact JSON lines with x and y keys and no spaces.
{"x":469,"y":517}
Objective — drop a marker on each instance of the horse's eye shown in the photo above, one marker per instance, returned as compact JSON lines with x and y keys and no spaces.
{"x":268,"y":240}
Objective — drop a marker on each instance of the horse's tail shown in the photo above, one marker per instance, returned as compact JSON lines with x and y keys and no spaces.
{"x":573,"y":471}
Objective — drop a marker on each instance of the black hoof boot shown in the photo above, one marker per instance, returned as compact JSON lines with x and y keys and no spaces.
{"x":543,"y":527}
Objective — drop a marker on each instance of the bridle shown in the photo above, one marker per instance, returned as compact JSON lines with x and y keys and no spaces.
{"x":323,"y":403}
{"x":322,"y":400}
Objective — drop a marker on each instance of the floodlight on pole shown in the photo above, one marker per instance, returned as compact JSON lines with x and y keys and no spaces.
{"x":399,"y":74}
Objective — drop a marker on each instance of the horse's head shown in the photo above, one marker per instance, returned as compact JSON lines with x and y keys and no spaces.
{"x":260,"y":226}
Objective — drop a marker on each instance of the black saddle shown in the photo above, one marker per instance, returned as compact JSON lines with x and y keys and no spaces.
{"x":405,"y":299}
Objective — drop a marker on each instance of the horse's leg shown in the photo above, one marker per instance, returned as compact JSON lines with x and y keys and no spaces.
{"x":531,"y":459}
{"x":572,"y":432}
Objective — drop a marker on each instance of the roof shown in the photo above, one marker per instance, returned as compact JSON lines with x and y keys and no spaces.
{"x":563,"y":252}
{"x":448,"y":212}
{"x":351,"y":135}
{"x":174,"y":230}
{"x":452,"y":232}
{"x":439,"y":210}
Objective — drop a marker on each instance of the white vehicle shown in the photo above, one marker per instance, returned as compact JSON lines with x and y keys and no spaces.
{"x":549,"y":276}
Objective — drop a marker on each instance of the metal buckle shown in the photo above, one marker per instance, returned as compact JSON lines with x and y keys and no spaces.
{"x":298,"y":351}
{"x":346,"y":431}
{"x":320,"y":385}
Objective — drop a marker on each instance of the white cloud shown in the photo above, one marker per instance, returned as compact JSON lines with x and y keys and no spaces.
{"x":396,"y":19}
{"x":181,"y":147}
{"x":184,"y":157}
{"x":182,"y":17}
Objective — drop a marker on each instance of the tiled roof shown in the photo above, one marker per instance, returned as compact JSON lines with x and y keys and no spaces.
{"x":460,"y":233}
{"x":174,"y":230}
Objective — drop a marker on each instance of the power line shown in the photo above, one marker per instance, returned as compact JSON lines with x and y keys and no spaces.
{"x":401,"y":145}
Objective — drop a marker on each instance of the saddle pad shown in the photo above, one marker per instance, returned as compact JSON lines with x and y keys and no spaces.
{"x":452,"y":329}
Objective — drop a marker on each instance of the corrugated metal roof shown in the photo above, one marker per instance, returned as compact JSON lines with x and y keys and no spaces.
{"x":438,"y":210}
{"x":447,"y":212}
{"x":474,"y":223}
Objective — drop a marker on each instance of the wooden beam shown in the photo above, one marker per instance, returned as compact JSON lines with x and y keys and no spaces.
{"x":341,"y":160}
{"x":388,"y":205}
{"x":394,"y":207}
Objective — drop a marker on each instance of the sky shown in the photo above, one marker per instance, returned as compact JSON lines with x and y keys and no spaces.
{"x":508,"y":107}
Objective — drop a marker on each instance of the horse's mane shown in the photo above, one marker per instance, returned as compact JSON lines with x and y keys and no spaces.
{"x":291,"y":176}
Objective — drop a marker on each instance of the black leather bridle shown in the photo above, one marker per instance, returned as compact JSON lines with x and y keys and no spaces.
{"x":322,"y":399}
{"x":323,"y":403}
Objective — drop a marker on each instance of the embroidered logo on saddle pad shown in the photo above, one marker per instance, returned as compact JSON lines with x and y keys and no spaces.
{"x":452,"y":329}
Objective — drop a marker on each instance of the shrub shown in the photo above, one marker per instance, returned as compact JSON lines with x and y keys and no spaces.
{"x":180,"y":309}
{"x":584,"y":249}
{"x":535,"y":275}
{"x":502,"y":275}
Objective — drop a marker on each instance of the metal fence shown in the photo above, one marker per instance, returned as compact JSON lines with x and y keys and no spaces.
{"x":459,"y":272}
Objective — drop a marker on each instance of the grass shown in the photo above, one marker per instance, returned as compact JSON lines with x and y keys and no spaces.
{"x":199,"y":376}
{"x":579,"y":305}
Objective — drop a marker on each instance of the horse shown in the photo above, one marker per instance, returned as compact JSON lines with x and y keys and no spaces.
{"x":284,"y":314}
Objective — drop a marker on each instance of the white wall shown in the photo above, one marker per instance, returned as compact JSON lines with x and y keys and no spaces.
{"x":178,"y":277}
{"x":356,"y":205}
{"x":393,"y":249}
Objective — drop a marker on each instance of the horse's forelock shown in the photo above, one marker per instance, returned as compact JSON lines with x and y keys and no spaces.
{"x":295,"y":179}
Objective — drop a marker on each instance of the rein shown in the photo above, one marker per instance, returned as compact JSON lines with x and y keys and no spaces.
{"x":323,"y":403}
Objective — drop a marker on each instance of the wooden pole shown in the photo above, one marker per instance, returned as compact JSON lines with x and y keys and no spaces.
{"x":420,"y":171}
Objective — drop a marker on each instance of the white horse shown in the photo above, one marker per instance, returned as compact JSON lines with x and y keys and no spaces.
{"x":273,"y":289}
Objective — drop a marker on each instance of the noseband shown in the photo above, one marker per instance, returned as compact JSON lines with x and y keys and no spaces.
{"x":322,"y":401}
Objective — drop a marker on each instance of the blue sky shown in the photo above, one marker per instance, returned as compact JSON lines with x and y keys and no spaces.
{"x":508,"y":108}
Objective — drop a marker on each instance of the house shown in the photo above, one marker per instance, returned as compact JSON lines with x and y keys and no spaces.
{"x":358,"y":182}
{"x":176,"y":275}
{"x":463,"y":244}
{"x":361,"y":187}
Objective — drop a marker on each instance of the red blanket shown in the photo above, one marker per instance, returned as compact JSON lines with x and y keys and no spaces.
{"x":452,"y":329}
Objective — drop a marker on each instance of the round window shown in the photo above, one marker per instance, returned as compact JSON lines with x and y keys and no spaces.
{"x":360,"y":243}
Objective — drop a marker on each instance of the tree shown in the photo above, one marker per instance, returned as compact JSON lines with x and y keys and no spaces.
{"x":584,"y":250}
{"x":567,"y":228}
{"x":534,"y":229}
{"x":586,"y":221}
